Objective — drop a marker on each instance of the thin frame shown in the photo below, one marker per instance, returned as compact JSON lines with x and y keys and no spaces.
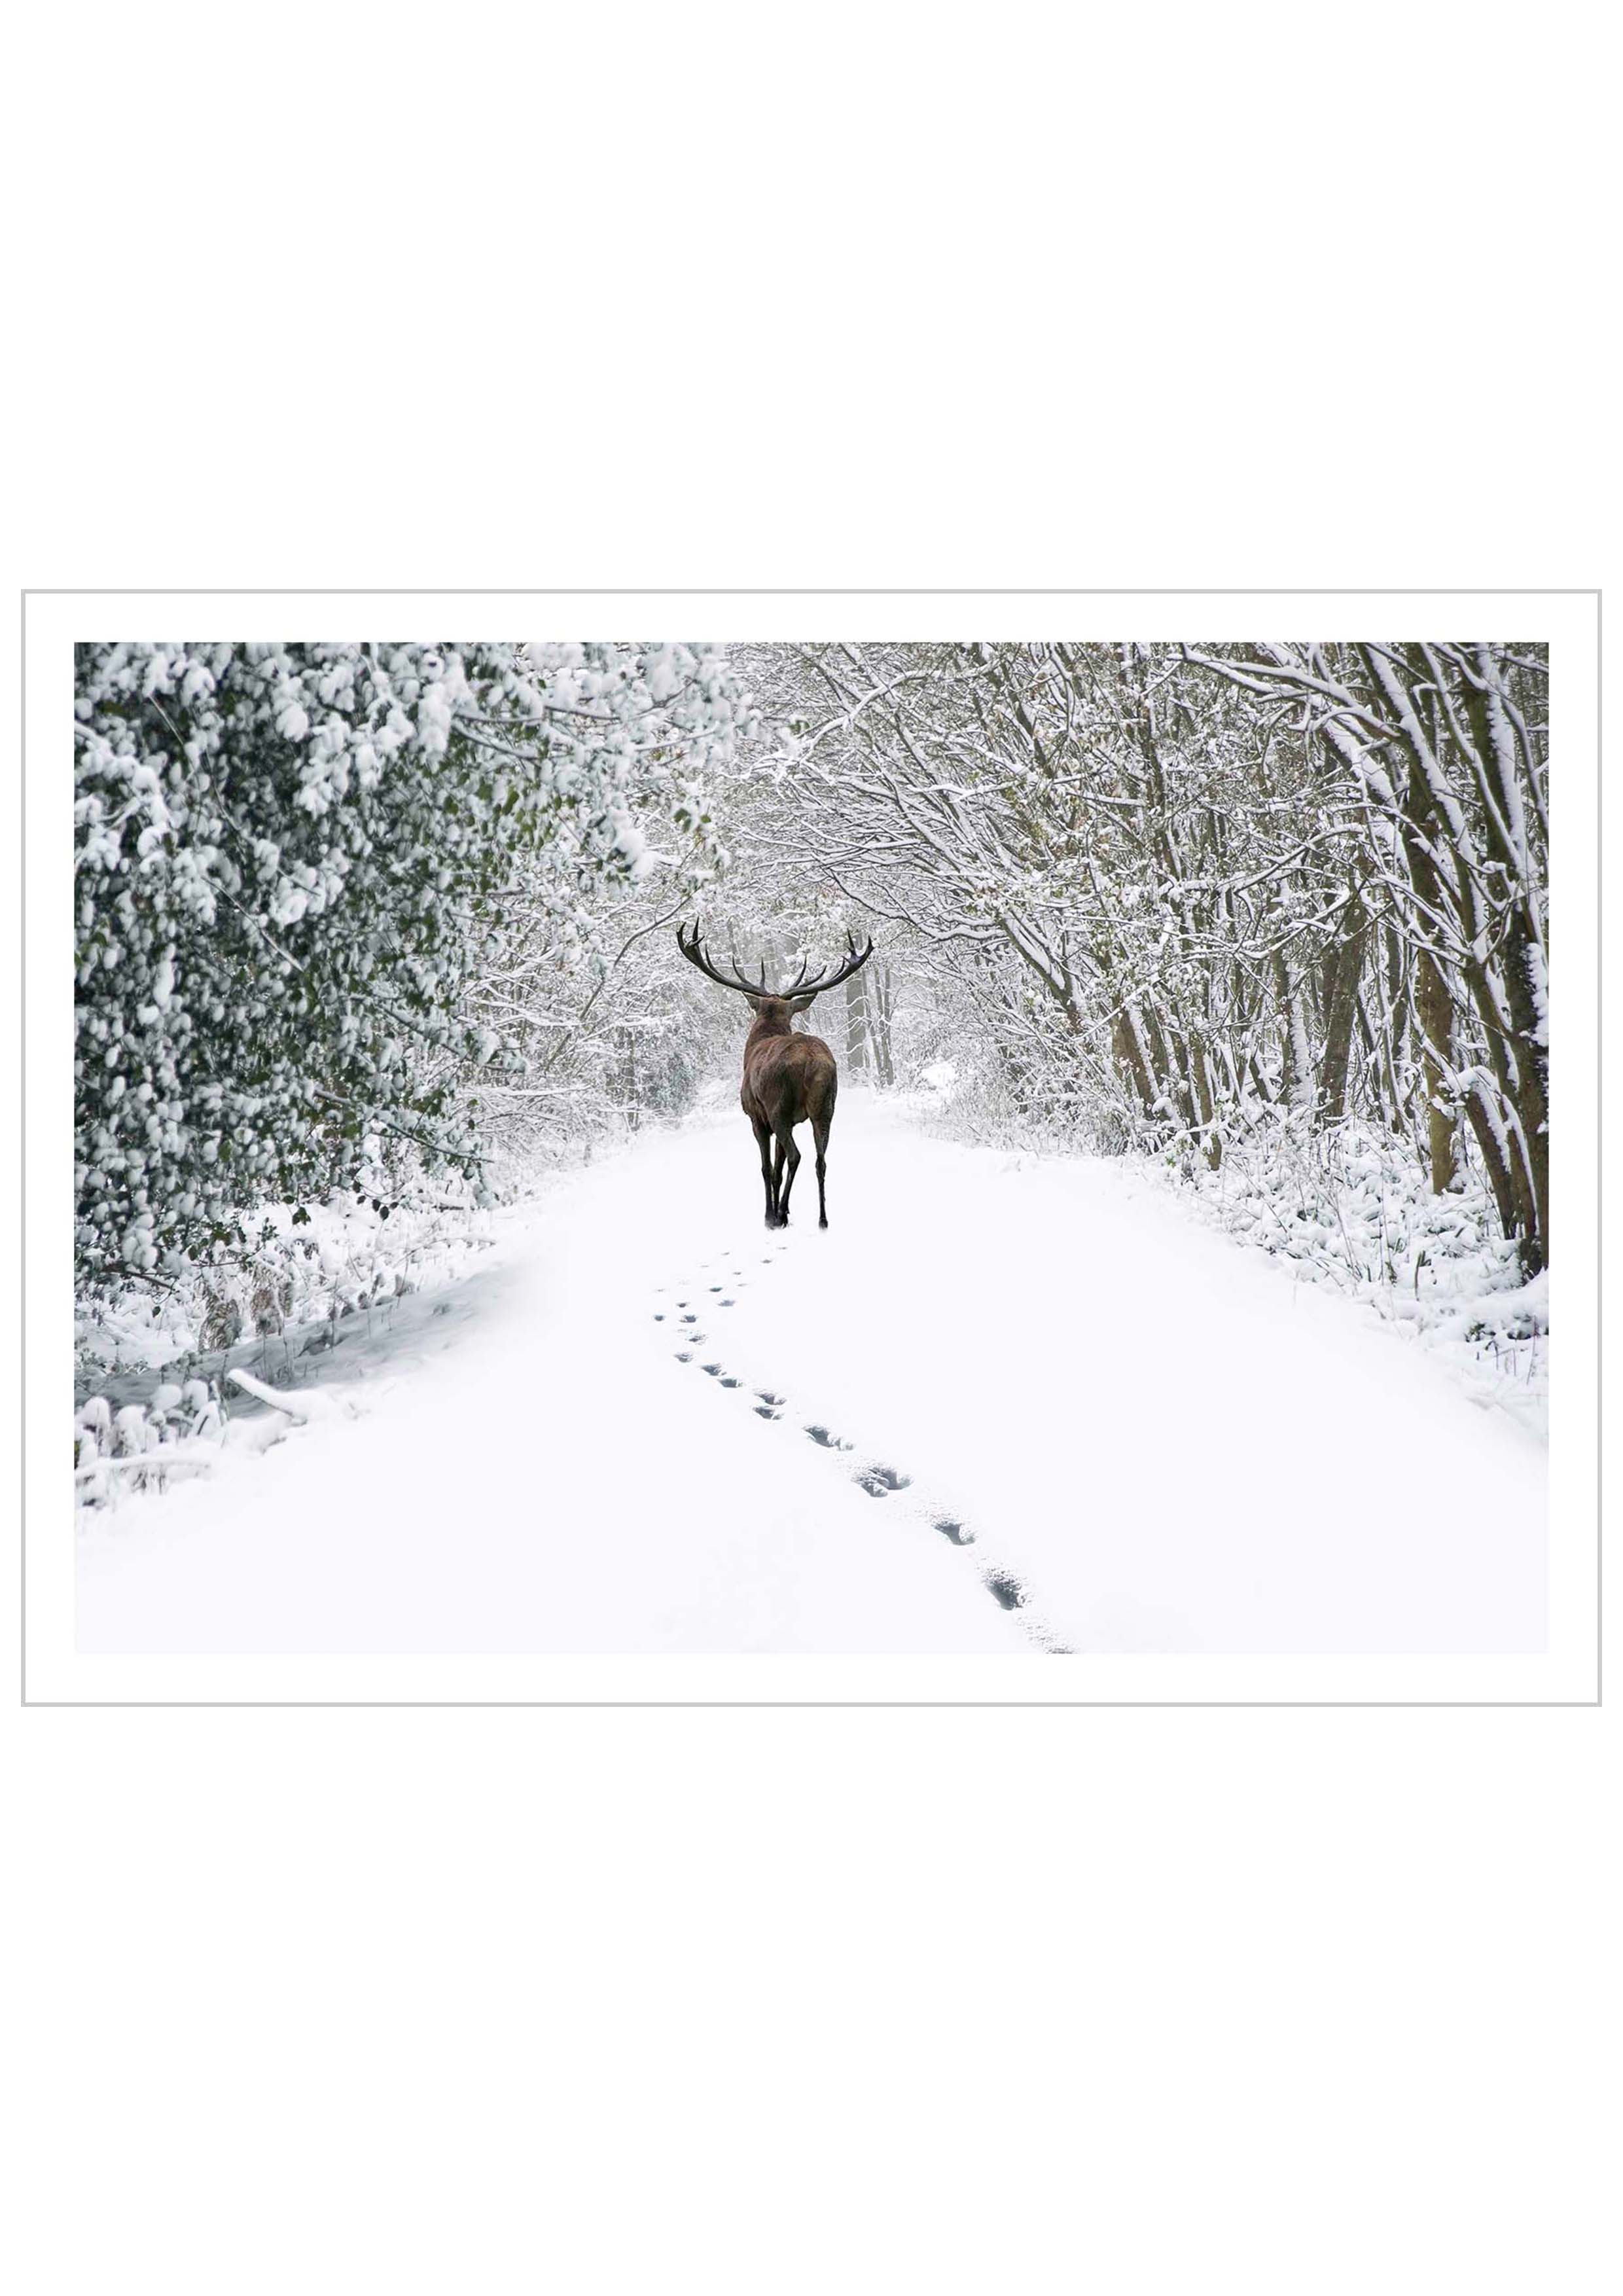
{"x":1571,"y":1665}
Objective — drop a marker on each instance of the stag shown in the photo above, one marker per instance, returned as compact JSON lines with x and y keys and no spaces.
{"x":790,"y":1076}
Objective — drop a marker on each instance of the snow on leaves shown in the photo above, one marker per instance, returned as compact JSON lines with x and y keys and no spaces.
{"x":285,"y":856}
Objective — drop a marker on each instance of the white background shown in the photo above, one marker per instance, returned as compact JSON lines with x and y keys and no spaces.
{"x":944,"y":1999}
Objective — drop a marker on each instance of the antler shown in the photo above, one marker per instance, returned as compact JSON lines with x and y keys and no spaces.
{"x":819,"y":981}
{"x":692,"y":948}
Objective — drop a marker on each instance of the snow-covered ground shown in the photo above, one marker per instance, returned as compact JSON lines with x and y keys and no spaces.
{"x":1004,"y":1405}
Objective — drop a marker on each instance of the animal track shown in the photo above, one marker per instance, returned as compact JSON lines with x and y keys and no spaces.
{"x":877,"y":1478}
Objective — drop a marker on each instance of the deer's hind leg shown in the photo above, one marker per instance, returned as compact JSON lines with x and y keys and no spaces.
{"x":788,"y":1165}
{"x":820,"y":1129}
{"x":763,"y":1140}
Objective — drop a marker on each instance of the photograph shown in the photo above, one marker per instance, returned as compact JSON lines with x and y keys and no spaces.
{"x":1024,"y":1148}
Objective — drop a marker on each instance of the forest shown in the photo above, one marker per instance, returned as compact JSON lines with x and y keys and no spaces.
{"x":372,"y":939}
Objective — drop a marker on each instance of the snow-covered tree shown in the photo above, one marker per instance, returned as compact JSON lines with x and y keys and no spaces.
{"x":1164,"y":893}
{"x":1440,"y":753}
{"x":288,"y":858}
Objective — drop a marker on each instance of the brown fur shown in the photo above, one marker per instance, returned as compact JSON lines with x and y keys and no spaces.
{"x":790,"y":1074}
{"x":789,"y":1078}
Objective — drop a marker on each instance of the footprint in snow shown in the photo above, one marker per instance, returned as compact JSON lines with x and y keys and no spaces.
{"x":879,"y":1481}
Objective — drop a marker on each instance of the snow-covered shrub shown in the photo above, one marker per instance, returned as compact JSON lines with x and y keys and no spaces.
{"x":278,"y":1307}
{"x":344,"y":1256}
{"x":140,"y":1444}
{"x":1351,"y":1206}
{"x":284,"y":857}
{"x":1008,"y":1088}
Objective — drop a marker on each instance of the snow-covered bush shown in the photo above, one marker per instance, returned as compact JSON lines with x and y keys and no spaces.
{"x":284,"y":854}
{"x":138,"y":1445}
{"x":342,"y":1257}
{"x":277,"y":1306}
{"x":1352,"y":1208}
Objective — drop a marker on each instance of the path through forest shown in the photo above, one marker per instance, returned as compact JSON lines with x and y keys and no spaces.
{"x":1004,"y":1404}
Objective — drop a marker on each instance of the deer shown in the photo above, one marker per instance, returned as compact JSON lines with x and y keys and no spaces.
{"x":791,"y":1077}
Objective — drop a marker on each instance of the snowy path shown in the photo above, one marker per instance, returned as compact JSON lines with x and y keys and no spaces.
{"x":1002,"y":1405}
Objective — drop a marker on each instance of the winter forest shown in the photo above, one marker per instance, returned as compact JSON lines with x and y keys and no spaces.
{"x":1185,"y":1281}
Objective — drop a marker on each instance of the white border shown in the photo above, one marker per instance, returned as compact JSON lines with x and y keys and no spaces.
{"x":1568,"y":1673}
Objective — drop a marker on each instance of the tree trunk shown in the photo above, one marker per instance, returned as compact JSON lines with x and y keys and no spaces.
{"x":878,"y":997}
{"x":1130,"y":1059}
{"x":1210,"y":1141}
{"x":1297,"y":1048}
{"x":1343,"y":966}
{"x":857,"y":1048}
{"x":1435,"y":1011}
